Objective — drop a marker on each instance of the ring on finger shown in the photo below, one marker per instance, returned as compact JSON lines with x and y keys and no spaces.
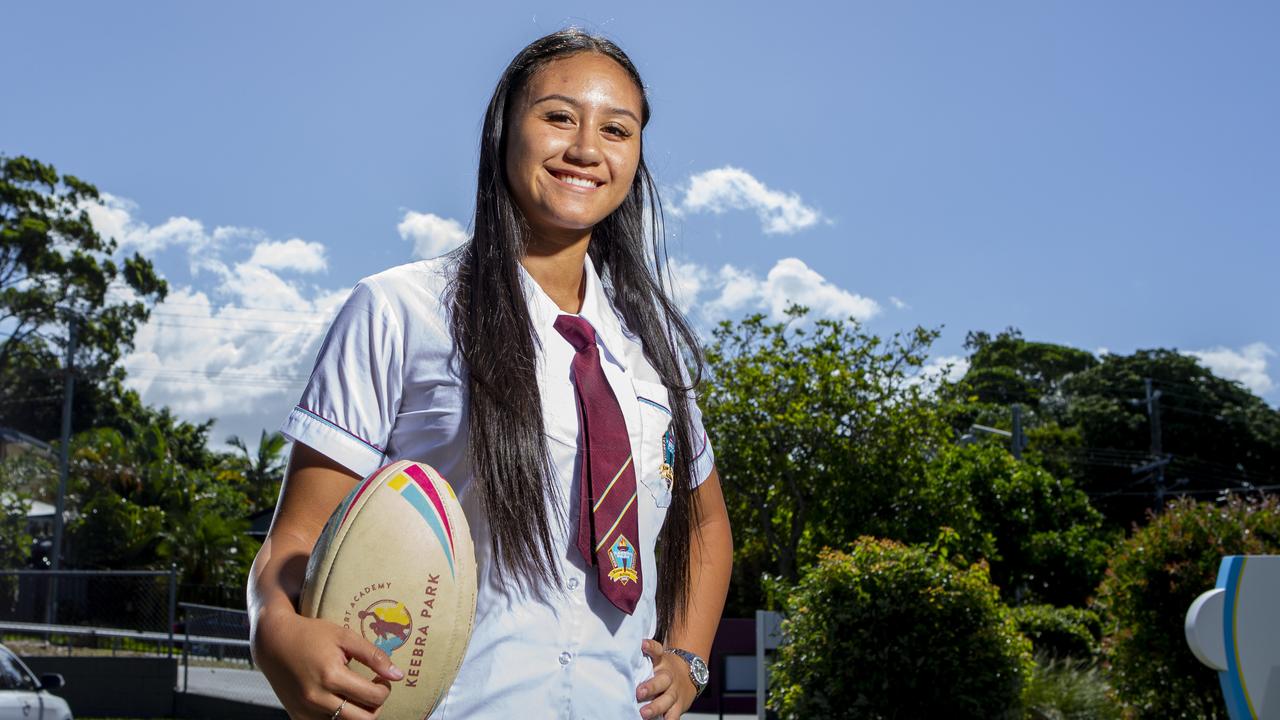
{"x":338,"y":712}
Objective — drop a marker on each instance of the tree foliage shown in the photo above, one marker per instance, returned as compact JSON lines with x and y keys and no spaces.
{"x":1043,"y":540}
{"x":17,"y":479}
{"x":892,"y":631}
{"x":1154,"y":577}
{"x":55,"y":268}
{"x":816,"y":424}
{"x":1218,"y":434}
{"x":1087,"y":418}
{"x":263,"y":470}
{"x":1008,"y":369}
{"x":143,"y":506}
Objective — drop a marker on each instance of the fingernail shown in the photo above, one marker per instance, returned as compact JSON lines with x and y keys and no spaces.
{"x":646,"y":713}
{"x":642,"y":692}
{"x":395,"y":672}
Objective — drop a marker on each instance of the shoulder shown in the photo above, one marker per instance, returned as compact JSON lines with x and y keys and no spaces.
{"x":418,"y":290}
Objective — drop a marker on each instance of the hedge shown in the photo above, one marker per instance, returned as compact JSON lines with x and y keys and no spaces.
{"x":892,"y":631}
{"x":1153,"y":578}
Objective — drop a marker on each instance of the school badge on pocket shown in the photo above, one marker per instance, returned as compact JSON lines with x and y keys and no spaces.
{"x":668,"y":458}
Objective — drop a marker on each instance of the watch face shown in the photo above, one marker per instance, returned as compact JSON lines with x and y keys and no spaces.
{"x":699,"y":669}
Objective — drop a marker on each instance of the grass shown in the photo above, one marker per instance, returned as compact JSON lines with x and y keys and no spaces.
{"x":1068,"y":690}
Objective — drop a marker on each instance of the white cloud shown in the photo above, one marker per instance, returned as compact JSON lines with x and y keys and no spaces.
{"x":936,"y":370}
{"x":239,"y":347}
{"x":731,"y":291}
{"x":687,"y":281}
{"x":1247,"y":365}
{"x":731,"y":188}
{"x":432,"y":235}
{"x":112,"y":217}
{"x":898,"y":304}
{"x":293,"y":254}
{"x":791,"y":280}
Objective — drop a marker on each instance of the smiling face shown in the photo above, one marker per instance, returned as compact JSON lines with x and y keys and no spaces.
{"x":573,"y":145}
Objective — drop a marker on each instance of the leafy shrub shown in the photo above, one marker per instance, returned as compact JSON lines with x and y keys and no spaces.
{"x":1042,"y":539}
{"x":893,"y":631}
{"x":1060,"y":632}
{"x":1154,"y":577}
{"x":1065,"y":689}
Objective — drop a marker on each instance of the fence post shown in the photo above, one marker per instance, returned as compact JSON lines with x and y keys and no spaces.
{"x":173,"y":602}
{"x":186,"y":648}
{"x":768,"y":635}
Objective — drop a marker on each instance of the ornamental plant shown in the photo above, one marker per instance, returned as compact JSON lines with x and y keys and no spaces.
{"x":1060,"y":632}
{"x":1153,"y":578}
{"x":890,"y":631}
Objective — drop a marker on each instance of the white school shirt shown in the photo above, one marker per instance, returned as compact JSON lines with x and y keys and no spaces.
{"x":388,"y":385}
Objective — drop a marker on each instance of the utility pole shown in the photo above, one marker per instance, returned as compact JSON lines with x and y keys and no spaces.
{"x":1019,"y":440}
{"x":69,"y":390}
{"x":1157,"y":453}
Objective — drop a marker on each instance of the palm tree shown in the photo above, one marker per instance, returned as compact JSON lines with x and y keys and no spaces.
{"x":263,"y":473}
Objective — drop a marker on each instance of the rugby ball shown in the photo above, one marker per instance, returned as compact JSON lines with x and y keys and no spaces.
{"x":395,"y":563}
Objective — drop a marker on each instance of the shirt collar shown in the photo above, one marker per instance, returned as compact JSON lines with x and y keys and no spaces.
{"x":596,"y":309}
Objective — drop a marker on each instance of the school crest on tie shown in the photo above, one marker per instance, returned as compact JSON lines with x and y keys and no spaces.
{"x":623,"y":556}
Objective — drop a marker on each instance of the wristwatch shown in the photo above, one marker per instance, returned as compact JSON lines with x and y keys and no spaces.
{"x":698,"y":671}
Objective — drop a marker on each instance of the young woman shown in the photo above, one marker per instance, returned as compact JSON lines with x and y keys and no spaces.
{"x":539,"y":369}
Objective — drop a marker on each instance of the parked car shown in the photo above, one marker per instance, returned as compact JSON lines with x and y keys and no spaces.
{"x":23,"y":697}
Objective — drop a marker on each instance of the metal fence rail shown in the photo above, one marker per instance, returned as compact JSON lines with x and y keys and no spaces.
{"x":215,"y":641}
{"x":126,"y":600}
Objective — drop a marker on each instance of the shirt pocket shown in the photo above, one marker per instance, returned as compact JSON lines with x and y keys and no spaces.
{"x":657,"y":450}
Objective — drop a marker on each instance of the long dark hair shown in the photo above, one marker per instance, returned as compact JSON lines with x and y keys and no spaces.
{"x":492,"y":327}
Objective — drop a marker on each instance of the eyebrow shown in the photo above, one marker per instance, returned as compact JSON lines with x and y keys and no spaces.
{"x":576,"y":104}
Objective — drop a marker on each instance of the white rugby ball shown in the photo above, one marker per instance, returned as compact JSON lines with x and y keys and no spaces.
{"x":395,"y":563}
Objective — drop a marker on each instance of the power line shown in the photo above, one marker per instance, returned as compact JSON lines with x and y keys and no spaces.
{"x":213,"y":306}
{"x":229,"y":330}
{"x":227,"y":319}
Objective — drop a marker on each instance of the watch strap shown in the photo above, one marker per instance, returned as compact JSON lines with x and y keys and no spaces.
{"x":691,"y":658}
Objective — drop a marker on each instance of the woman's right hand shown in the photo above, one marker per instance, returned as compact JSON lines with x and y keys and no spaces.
{"x":305,"y":660}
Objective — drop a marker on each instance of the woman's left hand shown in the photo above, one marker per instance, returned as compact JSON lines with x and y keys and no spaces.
{"x":671,"y":689}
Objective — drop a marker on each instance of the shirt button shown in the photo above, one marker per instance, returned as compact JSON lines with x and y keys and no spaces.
{"x":565,"y":657}
{"x":573,"y":583}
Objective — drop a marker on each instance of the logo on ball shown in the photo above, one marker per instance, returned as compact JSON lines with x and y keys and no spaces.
{"x":387,"y":624}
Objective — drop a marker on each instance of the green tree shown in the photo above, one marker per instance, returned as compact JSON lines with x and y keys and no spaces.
{"x":264,"y":470}
{"x":55,"y":267}
{"x":1153,"y":578}
{"x":1218,"y":434}
{"x":1087,"y":419}
{"x":142,"y":507}
{"x":816,"y":424}
{"x":1008,"y":369}
{"x":15,"y":503}
{"x":1043,"y":540}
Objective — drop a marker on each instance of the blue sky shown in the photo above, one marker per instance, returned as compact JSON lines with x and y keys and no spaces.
{"x":1104,"y":175}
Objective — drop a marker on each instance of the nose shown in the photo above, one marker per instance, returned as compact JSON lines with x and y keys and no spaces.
{"x":585,"y":148}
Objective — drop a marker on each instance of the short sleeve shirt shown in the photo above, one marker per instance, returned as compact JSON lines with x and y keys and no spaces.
{"x":389,"y":384}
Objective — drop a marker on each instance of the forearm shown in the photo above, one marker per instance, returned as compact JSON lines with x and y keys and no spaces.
{"x":313,"y":487}
{"x":275,"y":580}
{"x":710,"y":566}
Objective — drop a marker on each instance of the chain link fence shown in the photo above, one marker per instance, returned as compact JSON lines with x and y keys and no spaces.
{"x":133,"y":610}
{"x":215,"y":655}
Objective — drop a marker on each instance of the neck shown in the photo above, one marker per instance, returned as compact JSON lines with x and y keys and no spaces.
{"x":557,"y":268}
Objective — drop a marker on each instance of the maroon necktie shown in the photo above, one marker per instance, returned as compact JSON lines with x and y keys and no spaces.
{"x":608,"y":526}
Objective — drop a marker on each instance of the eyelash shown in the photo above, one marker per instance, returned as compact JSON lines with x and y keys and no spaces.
{"x":614,"y":129}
